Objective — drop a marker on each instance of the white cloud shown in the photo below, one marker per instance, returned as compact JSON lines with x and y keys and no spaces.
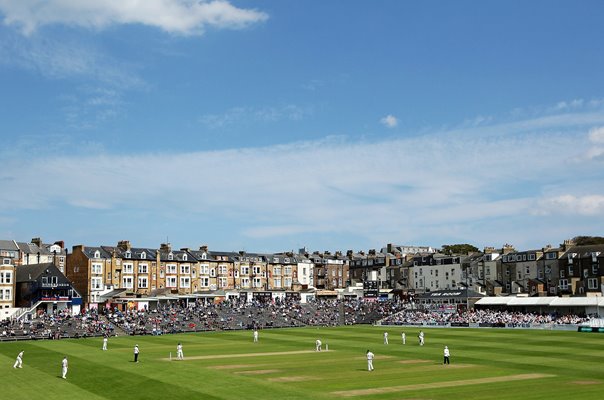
{"x":596,"y":135}
{"x":389,"y":121}
{"x":184,"y":17}
{"x":590,"y":205}
{"x":242,"y":115}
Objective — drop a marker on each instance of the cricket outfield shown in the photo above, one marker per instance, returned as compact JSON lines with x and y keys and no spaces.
{"x":485,"y":364}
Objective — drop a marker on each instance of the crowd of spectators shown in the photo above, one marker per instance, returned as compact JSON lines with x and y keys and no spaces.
{"x":61,"y":324}
{"x":234,"y":314}
{"x":493,"y":317}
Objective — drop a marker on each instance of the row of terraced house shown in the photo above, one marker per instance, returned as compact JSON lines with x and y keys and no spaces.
{"x":129,"y":276}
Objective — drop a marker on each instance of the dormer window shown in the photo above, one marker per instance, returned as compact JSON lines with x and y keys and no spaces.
{"x":205,"y":256}
{"x":170,"y":256}
{"x":128,"y":254}
{"x":184,"y":257}
{"x":97,"y":254}
{"x":143,"y":255}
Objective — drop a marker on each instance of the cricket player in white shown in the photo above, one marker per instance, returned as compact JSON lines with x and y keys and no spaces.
{"x":318,"y":345}
{"x":370,"y":360}
{"x":136,"y":351}
{"x":105,"y":343}
{"x":421,"y":338}
{"x":446,"y":356}
{"x":179,"y":353}
{"x":19,"y":361}
{"x":64,"y":365}
{"x":255,"y":335}
{"x":404,"y":338}
{"x":385,"y":337}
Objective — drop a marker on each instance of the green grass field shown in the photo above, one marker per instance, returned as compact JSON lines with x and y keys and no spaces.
{"x":485,"y":364}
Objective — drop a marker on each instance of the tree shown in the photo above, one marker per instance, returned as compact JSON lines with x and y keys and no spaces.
{"x":465,"y":248}
{"x":588,"y":240}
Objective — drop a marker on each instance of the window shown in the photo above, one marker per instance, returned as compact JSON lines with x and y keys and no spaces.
{"x":143,"y":269}
{"x":594,"y":269}
{"x":185,"y":282}
{"x":245,"y":282}
{"x":184,"y":257}
{"x":205,"y":282}
{"x":6,"y":261}
{"x":563,"y":284}
{"x":128,"y":254}
{"x":171,"y":281}
{"x":287,"y":282}
{"x":222,"y":282}
{"x":436,"y":273}
{"x":277,"y":282}
{"x":222,"y":269}
{"x":527,"y":270}
{"x":5,"y":294}
{"x":170,"y":256}
{"x":257,"y":282}
{"x":185,"y":269}
{"x":96,"y":283}
{"x":531,"y":257}
{"x":550,"y":256}
{"x":6,"y":277}
{"x":54,"y":280}
{"x":204,"y":269}
{"x":256,"y":269}
{"x":592,"y":283}
{"x":143,"y":282}
{"x":128,"y":268}
{"x":171,"y":269}
{"x":127,"y":282}
{"x":97,"y":254}
{"x":287,"y":270}
{"x":245,"y":270}
{"x":143,"y":255}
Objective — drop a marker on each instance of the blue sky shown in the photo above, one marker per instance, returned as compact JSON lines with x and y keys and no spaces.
{"x":273,"y":125}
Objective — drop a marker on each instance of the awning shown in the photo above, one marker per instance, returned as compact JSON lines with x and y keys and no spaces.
{"x":493,"y":301}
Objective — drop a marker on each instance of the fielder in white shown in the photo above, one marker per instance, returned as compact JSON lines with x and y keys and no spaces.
{"x":421,"y":338}
{"x":19,"y":361}
{"x":404,"y":337}
{"x":64,"y":366}
{"x":446,"y":355}
{"x":255,"y":335}
{"x":370,"y":357}
{"x":179,"y":353}
{"x":385,"y":337}
{"x":105,"y":343}
{"x":318,"y":345}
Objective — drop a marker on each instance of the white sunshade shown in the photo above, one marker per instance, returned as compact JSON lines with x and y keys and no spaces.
{"x":531,"y":301}
{"x":577,"y":301}
{"x":490,"y":301}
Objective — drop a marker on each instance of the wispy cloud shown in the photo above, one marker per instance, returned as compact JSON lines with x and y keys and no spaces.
{"x":511,"y":182}
{"x":389,"y":121}
{"x":184,"y":17}
{"x":590,"y":205}
{"x":60,"y":59}
{"x":245,"y":115}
